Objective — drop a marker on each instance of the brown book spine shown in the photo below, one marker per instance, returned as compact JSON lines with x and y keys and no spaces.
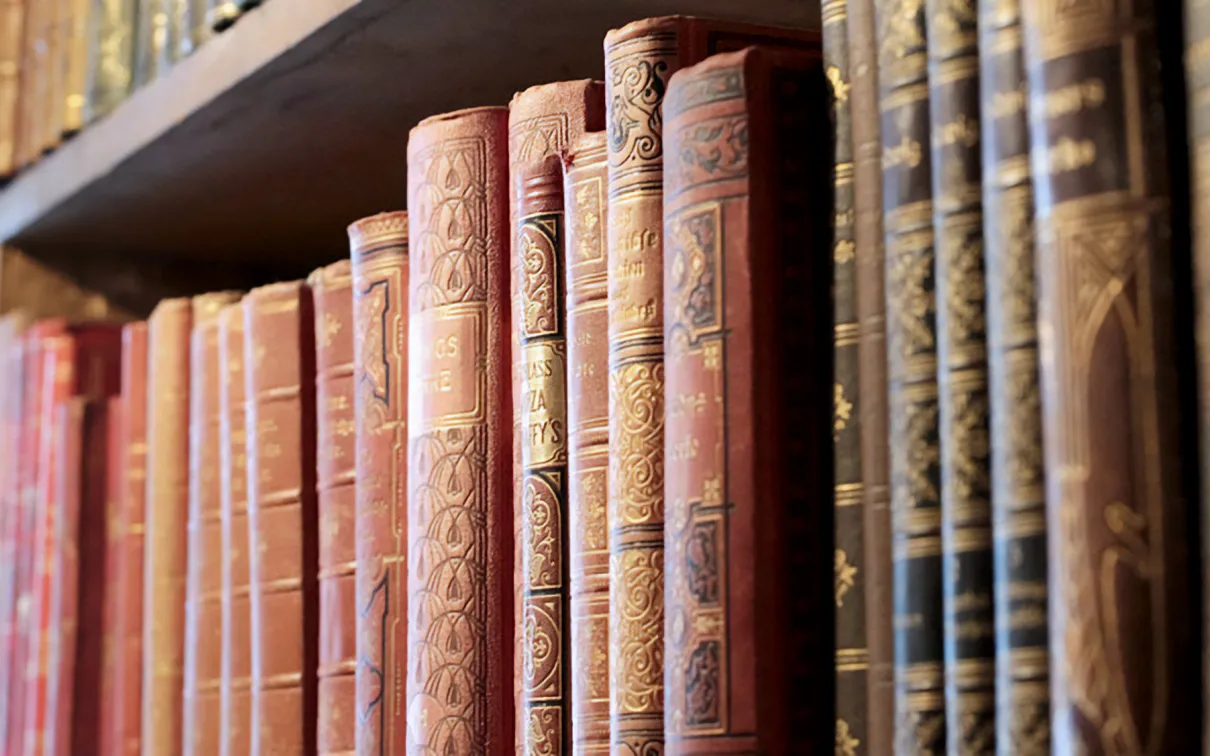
{"x":279,"y":381}
{"x":748,"y":468}
{"x":460,"y":629}
{"x":55,"y":38}
{"x":107,"y":739}
{"x":586,"y":203}
{"x":336,"y":471}
{"x":379,"y":251}
{"x":33,"y":55}
{"x":16,"y":366}
{"x":235,"y":735}
{"x":128,"y":667}
{"x":1123,"y":637}
{"x":201,"y":697}
{"x":166,"y":541}
{"x":543,"y":121}
{"x":12,"y":25}
{"x":848,"y":496}
{"x":1018,"y":475}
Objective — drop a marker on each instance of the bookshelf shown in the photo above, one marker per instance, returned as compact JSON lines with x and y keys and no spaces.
{"x":270,"y":139}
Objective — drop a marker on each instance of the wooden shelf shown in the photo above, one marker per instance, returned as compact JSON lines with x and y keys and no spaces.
{"x":276,"y":134}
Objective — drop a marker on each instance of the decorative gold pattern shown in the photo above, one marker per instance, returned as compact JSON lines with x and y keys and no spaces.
{"x":842,"y":411}
{"x":846,"y":744}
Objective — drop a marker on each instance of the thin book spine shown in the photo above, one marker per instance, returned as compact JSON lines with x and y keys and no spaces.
{"x":108,"y":743}
{"x":12,"y":25}
{"x":111,"y":39}
{"x":16,"y":366}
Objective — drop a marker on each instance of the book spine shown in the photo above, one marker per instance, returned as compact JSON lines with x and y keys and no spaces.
{"x":235,"y":689}
{"x":1116,"y":495}
{"x":201,"y":699}
{"x":1018,"y":475}
{"x":195,"y":29}
{"x":29,"y":144}
{"x":279,"y":381}
{"x":151,"y":38}
{"x":586,"y":203}
{"x":336,"y":437}
{"x":75,"y":51}
{"x":14,"y":429}
{"x":848,"y":496}
{"x":176,"y":30}
{"x":459,"y":466}
{"x":129,"y":665}
{"x":12,"y":24}
{"x":110,"y":67}
{"x":54,"y":37}
{"x":108,"y":743}
{"x":167,"y":505}
{"x":915,"y":461}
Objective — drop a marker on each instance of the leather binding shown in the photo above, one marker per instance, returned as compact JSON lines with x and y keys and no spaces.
{"x":586,"y":203}
{"x":12,"y":24}
{"x":33,"y":84}
{"x":543,"y":121}
{"x":1123,"y":639}
{"x":166,"y":542}
{"x":871,"y":315}
{"x":235,"y":692}
{"x":151,"y":39}
{"x":15,"y":364}
{"x":639,"y":58}
{"x":460,"y":570}
{"x":749,"y":592}
{"x":56,"y":38}
{"x":848,"y":496}
{"x":279,"y":381}
{"x":111,"y":612}
{"x":76,"y":29}
{"x":128,"y":666}
{"x":378,"y":248}
{"x":221,"y":14}
{"x":913,"y":406}
{"x":202,"y":704}
{"x":336,"y":421}
{"x":110,"y":58}
{"x":1018,"y":475}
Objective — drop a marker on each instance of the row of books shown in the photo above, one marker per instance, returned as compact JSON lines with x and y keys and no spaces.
{"x":65,"y":63}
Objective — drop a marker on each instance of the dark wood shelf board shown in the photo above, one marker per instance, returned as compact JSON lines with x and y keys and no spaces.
{"x":274,"y":136}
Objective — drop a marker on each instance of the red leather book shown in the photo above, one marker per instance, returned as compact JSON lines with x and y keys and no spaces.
{"x":379,"y":247}
{"x":279,"y":378}
{"x":115,"y":490}
{"x":750,"y":595}
{"x":166,"y":544}
{"x":460,"y":623}
{"x":202,"y":713}
{"x":128,"y":586}
{"x":335,"y":424}
{"x":10,"y":509}
{"x":235,"y":735}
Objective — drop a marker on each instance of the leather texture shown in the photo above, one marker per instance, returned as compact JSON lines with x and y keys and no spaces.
{"x":279,"y":380}
{"x":460,"y":629}
{"x":379,"y":251}
{"x":748,"y":466}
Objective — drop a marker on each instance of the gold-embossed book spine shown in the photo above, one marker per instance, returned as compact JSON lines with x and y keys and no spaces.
{"x":911,"y":335}
{"x":379,"y":250}
{"x":460,"y":560}
{"x":75,"y":54}
{"x":1123,"y":639}
{"x":111,"y":43}
{"x":848,"y":495}
{"x":1018,"y":476}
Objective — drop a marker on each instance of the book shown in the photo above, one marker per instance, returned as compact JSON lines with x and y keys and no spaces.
{"x":235,"y":691}
{"x":11,"y":549}
{"x":55,"y":39}
{"x":848,"y":495}
{"x":283,"y":525}
{"x":543,"y":121}
{"x":195,"y":28}
{"x":586,"y":204}
{"x":335,"y":423}
{"x":12,"y":25}
{"x":201,"y":697}
{"x":151,"y":39}
{"x":110,"y":69}
{"x":1018,"y":475}
{"x":460,"y":554}
{"x":378,"y":247}
{"x":76,"y":29}
{"x":108,"y":741}
{"x":749,"y":590}
{"x":639,"y":58}
{"x":1119,"y":489}
{"x":165,"y":556}
{"x":176,"y":33}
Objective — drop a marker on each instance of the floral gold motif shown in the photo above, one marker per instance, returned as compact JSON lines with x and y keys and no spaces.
{"x":846,"y":575}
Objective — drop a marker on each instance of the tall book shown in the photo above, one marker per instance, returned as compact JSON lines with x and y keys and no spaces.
{"x":378,"y":247}
{"x":201,"y":698}
{"x":107,"y":742}
{"x":55,"y":40}
{"x":33,"y":84}
{"x":1018,"y":476}
{"x":166,"y":541}
{"x":748,"y":466}
{"x":586,"y":204}
{"x":76,"y":28}
{"x":283,"y":548}
{"x":460,"y":623}
{"x":1123,"y":640}
{"x":110,"y":69}
{"x":10,"y":547}
{"x":543,"y":121}
{"x":151,"y":39}
{"x":639,"y":59}
{"x":12,"y":26}
{"x":911,"y":338}
{"x":848,"y":496}
{"x":235,"y":735}
{"x":336,"y":473}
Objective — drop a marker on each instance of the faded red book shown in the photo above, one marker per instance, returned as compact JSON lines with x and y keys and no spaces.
{"x":335,"y":423}
{"x":202,"y":713}
{"x":10,"y":508}
{"x":460,"y":561}
{"x":111,"y":613}
{"x":379,"y":250}
{"x":279,"y":378}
